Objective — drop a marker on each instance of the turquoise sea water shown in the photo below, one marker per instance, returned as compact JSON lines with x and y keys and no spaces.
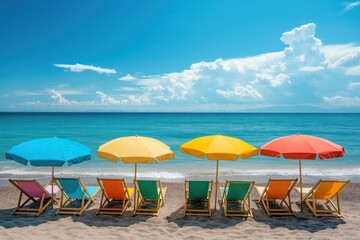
{"x":94,"y":129}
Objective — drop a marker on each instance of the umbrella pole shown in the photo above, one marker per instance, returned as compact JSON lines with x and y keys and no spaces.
{"x":217,"y":182}
{"x":301,"y":186}
{"x":135,"y":188}
{"x":52,"y":185}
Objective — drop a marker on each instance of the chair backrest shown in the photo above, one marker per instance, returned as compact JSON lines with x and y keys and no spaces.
{"x":71,"y":187}
{"x":328,"y":189}
{"x":31,"y":187}
{"x":238,"y":190}
{"x":198,"y":190}
{"x":113,"y":188}
{"x":277,"y":189}
{"x":148,"y":189}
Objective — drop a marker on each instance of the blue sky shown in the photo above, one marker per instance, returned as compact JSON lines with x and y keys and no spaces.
{"x":180,"y":56}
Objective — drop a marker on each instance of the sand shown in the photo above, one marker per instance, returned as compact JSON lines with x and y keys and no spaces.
{"x":172,"y":224}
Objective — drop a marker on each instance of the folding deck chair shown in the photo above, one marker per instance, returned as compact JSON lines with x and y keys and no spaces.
{"x":34,"y":191}
{"x":150,"y":197}
{"x":73,"y":190}
{"x":197,"y":198}
{"x":235,"y":198}
{"x":114,"y":190}
{"x":324,"y":190}
{"x":277,"y":189}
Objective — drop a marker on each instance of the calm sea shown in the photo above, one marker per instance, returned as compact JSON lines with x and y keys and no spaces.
{"x":94,"y":129}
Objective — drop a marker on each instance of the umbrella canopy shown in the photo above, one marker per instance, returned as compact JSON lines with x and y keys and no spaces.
{"x":49,"y":152}
{"x":135,"y":149}
{"x":302,"y":147}
{"x":218,"y":147}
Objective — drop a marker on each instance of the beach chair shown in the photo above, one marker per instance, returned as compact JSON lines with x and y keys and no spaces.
{"x":235,"y":198}
{"x":114,"y":191}
{"x":197,"y":198}
{"x":277,"y":189}
{"x":34,"y":191}
{"x":74,"y":190}
{"x":150,"y":197}
{"x":324,"y":190}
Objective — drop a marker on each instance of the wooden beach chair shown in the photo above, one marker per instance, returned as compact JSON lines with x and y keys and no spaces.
{"x":277,"y":189}
{"x":114,"y":191}
{"x":197,"y":198}
{"x":40,"y":195}
{"x":324,"y":191}
{"x":150,"y":197}
{"x":235,"y":198}
{"x":74,"y":190}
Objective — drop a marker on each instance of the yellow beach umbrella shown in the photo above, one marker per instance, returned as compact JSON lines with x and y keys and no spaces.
{"x":218,"y":147}
{"x":135,"y":149}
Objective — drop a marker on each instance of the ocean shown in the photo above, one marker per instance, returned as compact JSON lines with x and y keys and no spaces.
{"x":174,"y":129}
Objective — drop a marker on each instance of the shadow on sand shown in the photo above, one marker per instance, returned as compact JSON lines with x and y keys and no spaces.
{"x":88,"y":218}
{"x":301,"y":221}
{"x":217,"y":221}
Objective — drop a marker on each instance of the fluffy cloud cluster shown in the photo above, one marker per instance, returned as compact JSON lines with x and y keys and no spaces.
{"x":305,"y":73}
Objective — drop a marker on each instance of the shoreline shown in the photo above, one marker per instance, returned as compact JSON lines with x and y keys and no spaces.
{"x":172,"y":224}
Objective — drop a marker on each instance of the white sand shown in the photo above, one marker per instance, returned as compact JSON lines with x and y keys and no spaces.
{"x":172,"y":224}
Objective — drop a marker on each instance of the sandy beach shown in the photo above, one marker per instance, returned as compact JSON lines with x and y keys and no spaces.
{"x":172,"y":224}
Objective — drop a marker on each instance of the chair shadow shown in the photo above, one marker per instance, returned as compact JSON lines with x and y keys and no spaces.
{"x":301,"y":221}
{"x":216,"y":221}
{"x":8,"y":220}
{"x":89,"y":218}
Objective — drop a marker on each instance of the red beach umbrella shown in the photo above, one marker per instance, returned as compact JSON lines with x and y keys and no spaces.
{"x":302,"y":147}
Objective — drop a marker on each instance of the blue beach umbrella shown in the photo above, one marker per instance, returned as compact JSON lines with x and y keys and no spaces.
{"x":51,"y":152}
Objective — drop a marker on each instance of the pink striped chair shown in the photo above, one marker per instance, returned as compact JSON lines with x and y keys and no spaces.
{"x":34,"y":191}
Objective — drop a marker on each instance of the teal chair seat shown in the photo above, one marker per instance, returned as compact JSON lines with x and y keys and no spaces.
{"x":238,"y":193}
{"x":198,"y":190}
{"x":236,"y":190}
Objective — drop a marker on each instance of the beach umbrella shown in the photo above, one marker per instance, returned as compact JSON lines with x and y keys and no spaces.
{"x":302,"y":147}
{"x":49,"y":152}
{"x":218,"y":147}
{"x":135,"y":149}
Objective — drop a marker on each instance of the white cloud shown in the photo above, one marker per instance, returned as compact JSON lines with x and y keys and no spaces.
{"x":129,"y":89}
{"x":81,"y":67}
{"x":128,"y":77}
{"x":106,"y":99}
{"x":58,"y":98}
{"x":343,"y":101}
{"x":70,"y":92}
{"x":311,"y":69}
{"x":275,"y":81}
{"x":353,"y":85}
{"x":241,"y":92}
{"x":304,"y":47}
{"x":33,"y":103}
{"x":353,"y":71}
{"x":350,"y":5}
